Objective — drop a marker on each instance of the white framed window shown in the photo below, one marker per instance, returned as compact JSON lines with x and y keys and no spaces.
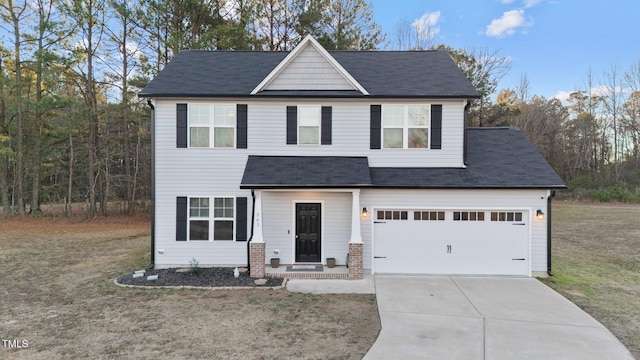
{"x":309,"y":119}
{"x":405,"y":126}
{"x":212,"y":125}
{"x":223,"y":218}
{"x":224,"y":122}
{"x":199,"y":218}
{"x":199,"y":123}
{"x":216,"y":225}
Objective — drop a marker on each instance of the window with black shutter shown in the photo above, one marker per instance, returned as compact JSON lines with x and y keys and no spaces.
{"x":375,"y":128}
{"x":181,"y":218}
{"x":326,"y":125}
{"x":181,"y":125}
{"x":241,"y":126}
{"x":436,"y":126}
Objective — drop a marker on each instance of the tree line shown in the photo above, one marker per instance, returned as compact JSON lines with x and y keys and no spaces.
{"x":73,"y":130}
{"x":592,"y":140}
{"x":71,"y":126}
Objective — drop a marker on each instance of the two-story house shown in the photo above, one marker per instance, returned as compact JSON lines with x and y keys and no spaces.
{"x":361,"y":156}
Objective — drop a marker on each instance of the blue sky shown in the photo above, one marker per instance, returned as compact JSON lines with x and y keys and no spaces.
{"x":553,"y":42}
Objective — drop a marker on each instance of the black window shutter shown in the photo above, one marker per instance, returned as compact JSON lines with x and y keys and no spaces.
{"x":436,"y":126}
{"x":292,"y":125}
{"x":241,"y":126}
{"x":376,"y":124}
{"x":241,"y":219}
{"x":325,"y":137}
{"x":181,"y":125}
{"x":181,"y":218}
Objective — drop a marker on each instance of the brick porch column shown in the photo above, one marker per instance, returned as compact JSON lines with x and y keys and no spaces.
{"x":257,"y":245}
{"x":355,"y":244}
{"x":256,"y":257}
{"x":355,"y":261}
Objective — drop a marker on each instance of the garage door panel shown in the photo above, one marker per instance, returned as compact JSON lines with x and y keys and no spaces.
{"x":403,"y":243}
{"x":453,"y":246}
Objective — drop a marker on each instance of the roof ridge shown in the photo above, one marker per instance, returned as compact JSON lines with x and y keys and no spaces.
{"x":494,"y":128}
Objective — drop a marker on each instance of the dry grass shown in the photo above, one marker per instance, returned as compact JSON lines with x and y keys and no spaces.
{"x":596,"y":264}
{"x":57,"y":292}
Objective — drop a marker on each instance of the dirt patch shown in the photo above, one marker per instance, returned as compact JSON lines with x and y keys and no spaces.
{"x":574,"y":293}
{"x":58,"y":294}
{"x":204,"y":277}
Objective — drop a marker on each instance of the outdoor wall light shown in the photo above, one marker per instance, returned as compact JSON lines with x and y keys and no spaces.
{"x":539,"y":214}
{"x":364,"y":212}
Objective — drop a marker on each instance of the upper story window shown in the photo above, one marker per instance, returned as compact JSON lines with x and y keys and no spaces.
{"x":309,"y":125}
{"x":405,"y":126}
{"x":212,"y":125}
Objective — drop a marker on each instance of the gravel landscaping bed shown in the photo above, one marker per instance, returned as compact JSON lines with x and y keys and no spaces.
{"x":205,"y":277}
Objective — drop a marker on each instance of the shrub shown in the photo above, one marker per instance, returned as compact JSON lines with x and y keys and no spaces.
{"x":618,"y":192}
{"x":193,"y":266}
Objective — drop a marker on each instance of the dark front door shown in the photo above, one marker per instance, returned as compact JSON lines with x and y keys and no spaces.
{"x":308,"y":232}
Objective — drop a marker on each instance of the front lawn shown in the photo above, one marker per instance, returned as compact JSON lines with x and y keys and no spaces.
{"x":596,"y":264}
{"x":58,"y":294}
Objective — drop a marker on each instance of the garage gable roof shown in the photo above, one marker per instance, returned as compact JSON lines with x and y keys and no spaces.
{"x":498,"y":158}
{"x":306,"y":172}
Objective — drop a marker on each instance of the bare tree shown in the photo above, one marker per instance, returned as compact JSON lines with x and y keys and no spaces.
{"x":88,"y":18}
{"x":13,"y":14}
{"x":612,"y":103}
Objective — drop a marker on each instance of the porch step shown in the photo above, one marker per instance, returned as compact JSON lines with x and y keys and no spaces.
{"x":309,"y":275}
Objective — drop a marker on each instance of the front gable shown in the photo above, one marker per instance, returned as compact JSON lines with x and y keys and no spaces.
{"x":309,"y":67}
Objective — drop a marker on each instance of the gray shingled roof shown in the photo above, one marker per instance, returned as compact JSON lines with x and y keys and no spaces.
{"x":498,"y":158}
{"x":306,"y":172}
{"x":196,"y":73}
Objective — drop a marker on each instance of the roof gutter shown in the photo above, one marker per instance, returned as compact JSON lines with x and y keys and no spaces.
{"x":549,"y":198}
{"x":262,"y":95}
{"x":153,"y":184}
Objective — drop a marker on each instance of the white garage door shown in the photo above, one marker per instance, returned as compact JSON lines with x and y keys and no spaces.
{"x":470,"y":242}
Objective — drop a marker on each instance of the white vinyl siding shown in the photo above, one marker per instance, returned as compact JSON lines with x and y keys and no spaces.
{"x":218,"y":173}
{"x":309,"y":71}
{"x":350,"y":136}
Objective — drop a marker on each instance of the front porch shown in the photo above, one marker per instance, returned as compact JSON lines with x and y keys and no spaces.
{"x":279,"y":229}
{"x":283,"y":271}
{"x":307,"y":209}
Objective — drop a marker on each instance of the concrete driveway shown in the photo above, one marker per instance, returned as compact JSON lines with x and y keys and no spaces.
{"x":441,"y":317}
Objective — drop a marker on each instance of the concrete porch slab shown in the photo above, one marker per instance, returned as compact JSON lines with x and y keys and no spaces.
{"x":332,"y":286}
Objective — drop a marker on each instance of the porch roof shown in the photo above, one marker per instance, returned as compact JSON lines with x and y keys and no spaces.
{"x":271,"y":172}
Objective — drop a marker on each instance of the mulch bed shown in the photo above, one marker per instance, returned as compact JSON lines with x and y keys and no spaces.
{"x":205,"y":277}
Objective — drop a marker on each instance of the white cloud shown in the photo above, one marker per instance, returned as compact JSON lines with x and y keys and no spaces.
{"x":506,"y":1}
{"x":508,"y":23}
{"x":531,"y":3}
{"x":427,"y":25}
{"x":563,"y":96}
